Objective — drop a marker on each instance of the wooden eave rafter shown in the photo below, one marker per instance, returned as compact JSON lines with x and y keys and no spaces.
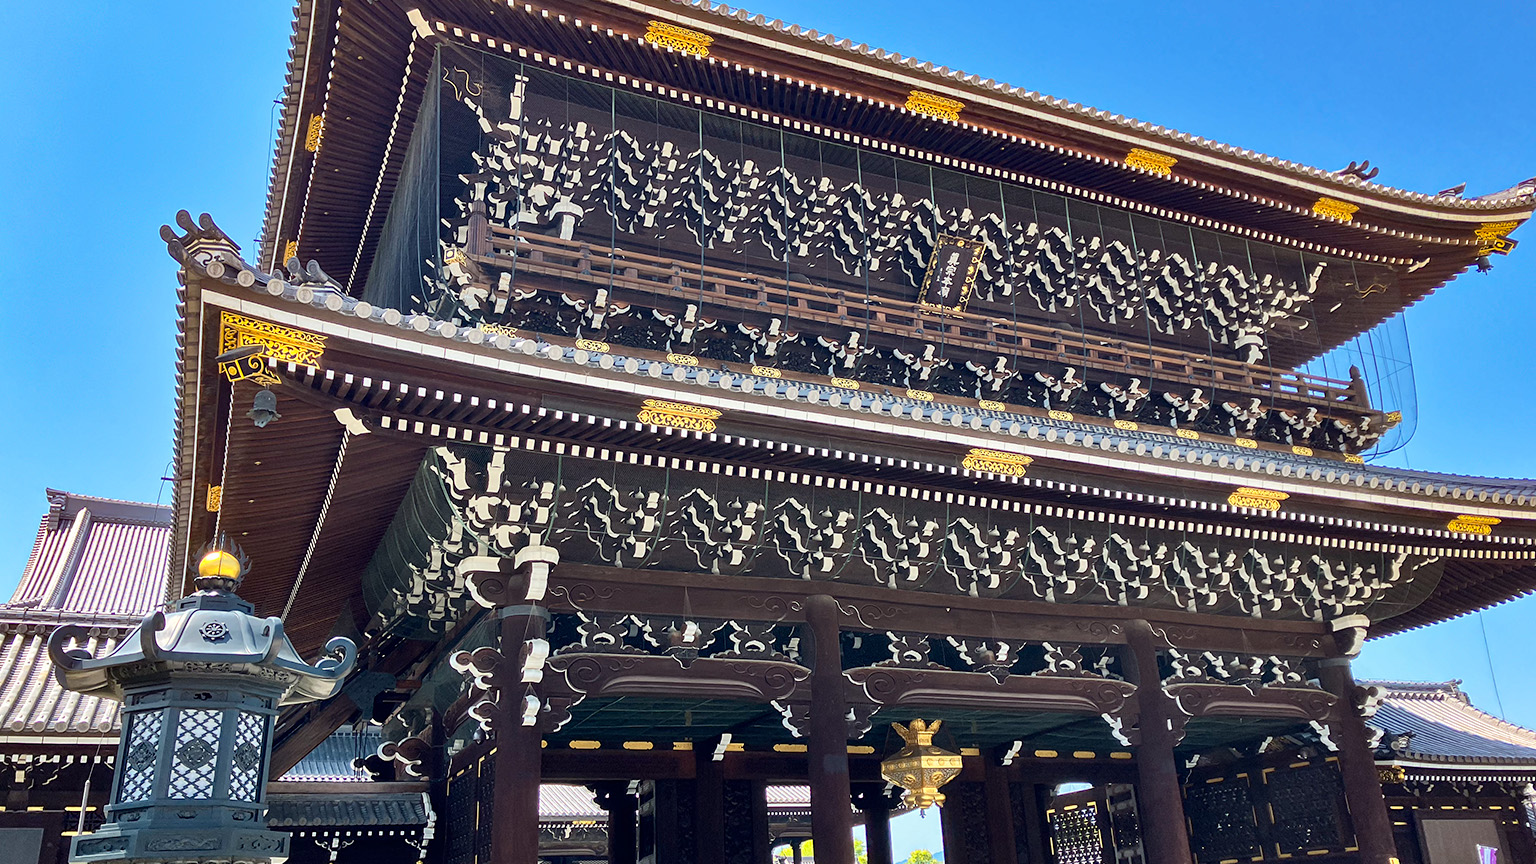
{"x":1216,"y":183}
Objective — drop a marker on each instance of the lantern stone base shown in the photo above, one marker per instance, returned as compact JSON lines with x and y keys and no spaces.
{"x":165,"y":846}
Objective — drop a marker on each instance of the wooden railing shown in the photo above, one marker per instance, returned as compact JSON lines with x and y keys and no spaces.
{"x":668,"y":277}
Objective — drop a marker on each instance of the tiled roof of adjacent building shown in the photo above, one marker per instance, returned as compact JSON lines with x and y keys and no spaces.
{"x":96,"y":556}
{"x":1446,"y":728}
{"x":99,"y":563}
{"x":335,"y":760}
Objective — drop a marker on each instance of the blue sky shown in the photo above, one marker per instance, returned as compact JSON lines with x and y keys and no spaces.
{"x":121,"y":114}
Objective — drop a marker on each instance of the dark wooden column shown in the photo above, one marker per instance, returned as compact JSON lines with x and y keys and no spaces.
{"x":1362,"y":787}
{"x":831,"y":797}
{"x":1000,"y":826}
{"x":1033,"y":827}
{"x":615,"y":798}
{"x":872,"y":800}
{"x":1165,"y":839}
{"x":710,"y":789}
{"x":519,"y":758}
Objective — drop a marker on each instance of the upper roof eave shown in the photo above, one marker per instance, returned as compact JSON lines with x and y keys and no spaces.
{"x":1517,"y":202}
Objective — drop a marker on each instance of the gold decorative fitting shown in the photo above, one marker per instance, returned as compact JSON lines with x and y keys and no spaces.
{"x":989,"y":405}
{"x":1354,"y":459}
{"x":766,"y":372}
{"x":274,"y":341}
{"x":1258,"y":499}
{"x":1300,"y":450}
{"x":1059,"y":415}
{"x":290,"y":251}
{"x":1391,"y":774}
{"x":585,"y":745}
{"x":921,"y":768}
{"x":860,"y":750}
{"x":1246,"y":442}
{"x":845,"y":383}
{"x":996,"y":461}
{"x":1394,"y":417}
{"x":934,"y":105}
{"x":1333,"y":208}
{"x":592,"y":345}
{"x":315,"y":133}
{"x":682,"y":360}
{"x":1493,"y":238}
{"x":639,"y":745}
{"x":1126,"y":425}
{"x":215,"y":498}
{"x":1190,"y":434}
{"x":677,"y":415}
{"x":790,"y":748}
{"x":678,"y":38}
{"x":920,"y":395}
{"x":1150,"y":160}
{"x":1472,"y":524}
{"x":498,"y":329}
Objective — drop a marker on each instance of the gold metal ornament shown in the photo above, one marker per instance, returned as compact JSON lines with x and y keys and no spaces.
{"x":1258,"y":499}
{"x":921,"y":768}
{"x":1493,"y":238}
{"x":996,"y":462}
{"x":1151,"y":161}
{"x":678,"y":38}
{"x":934,"y":105}
{"x":284,"y":344}
{"x":1333,"y":208}
{"x":1472,"y":524}
{"x":678,"y":415}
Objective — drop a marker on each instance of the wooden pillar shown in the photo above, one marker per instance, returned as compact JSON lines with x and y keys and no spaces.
{"x":519,"y":759}
{"x":615,"y":798}
{"x":1362,"y":787}
{"x":710,"y":789}
{"x":762,"y":843}
{"x":1165,"y":838}
{"x":1034,"y":830}
{"x":831,"y":798}
{"x":872,"y":800}
{"x":1000,"y":837}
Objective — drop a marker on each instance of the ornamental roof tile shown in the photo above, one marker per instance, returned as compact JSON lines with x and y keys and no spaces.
{"x":1447,"y":728}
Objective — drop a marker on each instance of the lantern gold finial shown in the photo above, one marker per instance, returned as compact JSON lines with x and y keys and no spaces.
{"x":920,"y":767}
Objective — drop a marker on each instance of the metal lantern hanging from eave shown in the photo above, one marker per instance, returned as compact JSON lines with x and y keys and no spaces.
{"x":200,"y":685}
{"x":920,"y":767}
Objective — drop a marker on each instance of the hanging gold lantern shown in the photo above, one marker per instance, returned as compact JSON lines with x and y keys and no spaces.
{"x":920,"y":767}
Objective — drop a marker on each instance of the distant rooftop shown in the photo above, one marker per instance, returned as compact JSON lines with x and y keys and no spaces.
{"x":96,"y":555}
{"x":97,"y":562}
{"x":1446,"y":728}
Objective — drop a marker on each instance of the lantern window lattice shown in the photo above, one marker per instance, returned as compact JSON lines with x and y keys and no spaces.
{"x":245,"y":760}
{"x":138,"y":771}
{"x":196,"y":749}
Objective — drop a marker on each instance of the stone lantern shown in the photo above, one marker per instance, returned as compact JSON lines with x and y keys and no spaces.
{"x":200,"y":686}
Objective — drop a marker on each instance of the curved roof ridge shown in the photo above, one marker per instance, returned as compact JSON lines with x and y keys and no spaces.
{"x":1520,"y":193}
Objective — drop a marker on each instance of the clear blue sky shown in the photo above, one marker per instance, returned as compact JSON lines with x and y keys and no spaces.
{"x":122,"y":113}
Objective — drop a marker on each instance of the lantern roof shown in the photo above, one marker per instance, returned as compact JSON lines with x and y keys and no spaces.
{"x":209,"y":626}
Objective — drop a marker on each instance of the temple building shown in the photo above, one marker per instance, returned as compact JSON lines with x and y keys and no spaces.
{"x":681,"y":404}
